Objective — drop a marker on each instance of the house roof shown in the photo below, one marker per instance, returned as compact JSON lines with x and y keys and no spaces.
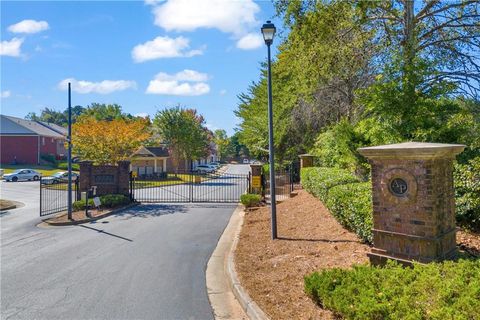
{"x":158,"y":151}
{"x":152,"y":152}
{"x":55,"y":127}
{"x":16,"y":126}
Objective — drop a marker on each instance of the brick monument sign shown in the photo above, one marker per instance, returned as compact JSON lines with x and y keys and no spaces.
{"x":413,"y":201}
{"x":107,"y":178}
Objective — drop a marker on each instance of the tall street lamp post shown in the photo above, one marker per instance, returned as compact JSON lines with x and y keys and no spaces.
{"x":268,"y":31}
{"x":69,"y":153}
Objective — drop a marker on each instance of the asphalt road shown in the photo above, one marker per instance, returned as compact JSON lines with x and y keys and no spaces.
{"x":145,"y":263}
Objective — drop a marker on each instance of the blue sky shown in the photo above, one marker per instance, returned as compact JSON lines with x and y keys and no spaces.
{"x":144,"y":56}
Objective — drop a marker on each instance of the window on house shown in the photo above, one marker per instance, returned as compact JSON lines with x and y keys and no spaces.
{"x":43,"y":141}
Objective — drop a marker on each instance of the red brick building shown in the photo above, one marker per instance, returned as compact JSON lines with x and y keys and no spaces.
{"x":24,"y":141}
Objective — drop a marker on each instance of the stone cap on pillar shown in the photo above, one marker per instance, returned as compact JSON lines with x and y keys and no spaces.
{"x":305,"y":155}
{"x":256,"y":169}
{"x":412,"y":150}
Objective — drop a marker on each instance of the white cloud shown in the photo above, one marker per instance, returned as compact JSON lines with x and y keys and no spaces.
{"x":223,"y":92}
{"x":11,"y":48}
{"x":250,"y":41}
{"x":179,"y":84}
{"x":5,"y":94}
{"x":185,"y":75}
{"x":102,"y":87}
{"x":235,"y":17}
{"x":142,"y":114}
{"x":164,"y":47}
{"x":28,"y":26}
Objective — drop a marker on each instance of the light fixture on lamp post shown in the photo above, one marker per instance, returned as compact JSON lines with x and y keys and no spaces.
{"x":268,"y":31}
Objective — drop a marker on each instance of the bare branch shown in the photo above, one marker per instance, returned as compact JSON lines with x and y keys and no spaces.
{"x":443,"y":9}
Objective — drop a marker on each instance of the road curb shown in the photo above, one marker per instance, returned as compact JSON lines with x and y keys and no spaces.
{"x":76,"y":222}
{"x":228,"y":298}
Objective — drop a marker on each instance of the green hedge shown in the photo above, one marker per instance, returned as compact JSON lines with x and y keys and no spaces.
{"x":64,"y":166}
{"x":351,"y":205}
{"x":250,"y":199}
{"x":108,"y":201}
{"x":449,"y":290}
{"x":318,"y":180}
{"x":467,"y":193}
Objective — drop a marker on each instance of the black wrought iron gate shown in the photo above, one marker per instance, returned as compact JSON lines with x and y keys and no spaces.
{"x":189,"y":187}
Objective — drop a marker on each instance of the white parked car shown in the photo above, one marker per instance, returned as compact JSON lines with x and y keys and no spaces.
{"x":246,"y":161}
{"x":22,"y":174}
{"x":205,"y":168}
{"x":59,"y":177}
{"x":215,"y":164}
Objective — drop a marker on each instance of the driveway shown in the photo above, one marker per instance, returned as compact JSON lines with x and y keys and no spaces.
{"x":145,"y":263}
{"x":227,"y":186}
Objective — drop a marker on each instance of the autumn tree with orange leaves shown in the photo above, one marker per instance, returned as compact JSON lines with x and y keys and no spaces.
{"x":107,"y":142}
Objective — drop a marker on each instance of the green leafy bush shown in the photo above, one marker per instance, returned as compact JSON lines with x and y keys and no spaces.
{"x":467,"y":193}
{"x":49,"y":158}
{"x":351,"y":205}
{"x":64,"y":166}
{"x":449,"y":290}
{"x":108,"y":201}
{"x":250,"y":200}
{"x":318,"y":180}
{"x":337,"y":147}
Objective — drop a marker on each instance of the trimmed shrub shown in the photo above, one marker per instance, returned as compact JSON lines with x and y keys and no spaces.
{"x":250,"y":200}
{"x":449,"y":290}
{"x":48,"y":157}
{"x":467,"y":193}
{"x":351,"y":205}
{"x":108,"y":201}
{"x":318,"y":180}
{"x":64,"y":166}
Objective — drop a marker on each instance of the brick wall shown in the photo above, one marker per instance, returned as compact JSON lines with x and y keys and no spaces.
{"x":22,"y":148}
{"x":107,"y":178}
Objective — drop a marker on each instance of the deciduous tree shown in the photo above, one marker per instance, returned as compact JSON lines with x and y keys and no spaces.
{"x":107,"y":142}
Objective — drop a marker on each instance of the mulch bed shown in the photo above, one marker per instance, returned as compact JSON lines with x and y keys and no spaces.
{"x":310,"y":239}
{"x":80,"y":217}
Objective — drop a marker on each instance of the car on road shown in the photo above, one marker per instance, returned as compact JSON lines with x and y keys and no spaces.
{"x":215,"y":164}
{"x":59,"y":177}
{"x":22,"y":174}
{"x":205,"y":168}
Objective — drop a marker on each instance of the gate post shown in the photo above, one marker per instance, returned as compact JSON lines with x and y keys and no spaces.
{"x":306,"y":161}
{"x":413,"y":201}
{"x":256,"y":178}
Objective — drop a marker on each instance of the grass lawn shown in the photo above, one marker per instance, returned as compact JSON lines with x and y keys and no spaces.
{"x":44,"y":170}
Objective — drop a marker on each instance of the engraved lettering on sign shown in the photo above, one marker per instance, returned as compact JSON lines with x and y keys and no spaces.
{"x":104,"y":178}
{"x":398,"y":187}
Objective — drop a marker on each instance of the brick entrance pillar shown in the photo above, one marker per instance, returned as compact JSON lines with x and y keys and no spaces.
{"x":306,"y":160}
{"x":107,"y":178}
{"x":413,"y":201}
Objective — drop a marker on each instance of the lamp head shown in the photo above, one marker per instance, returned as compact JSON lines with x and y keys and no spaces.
{"x":268,"y":31}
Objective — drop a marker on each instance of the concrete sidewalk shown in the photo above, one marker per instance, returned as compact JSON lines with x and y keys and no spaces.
{"x":229,"y":300}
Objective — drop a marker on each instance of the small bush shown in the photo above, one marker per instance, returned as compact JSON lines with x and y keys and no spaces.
{"x":467,"y":193}
{"x":351,"y":205}
{"x":49,"y":158}
{"x":250,"y":200}
{"x":64,"y":166}
{"x":449,"y":290}
{"x":318,"y":180}
{"x":108,"y":201}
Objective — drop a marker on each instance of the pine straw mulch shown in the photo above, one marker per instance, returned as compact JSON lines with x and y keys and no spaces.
{"x":310,"y":239}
